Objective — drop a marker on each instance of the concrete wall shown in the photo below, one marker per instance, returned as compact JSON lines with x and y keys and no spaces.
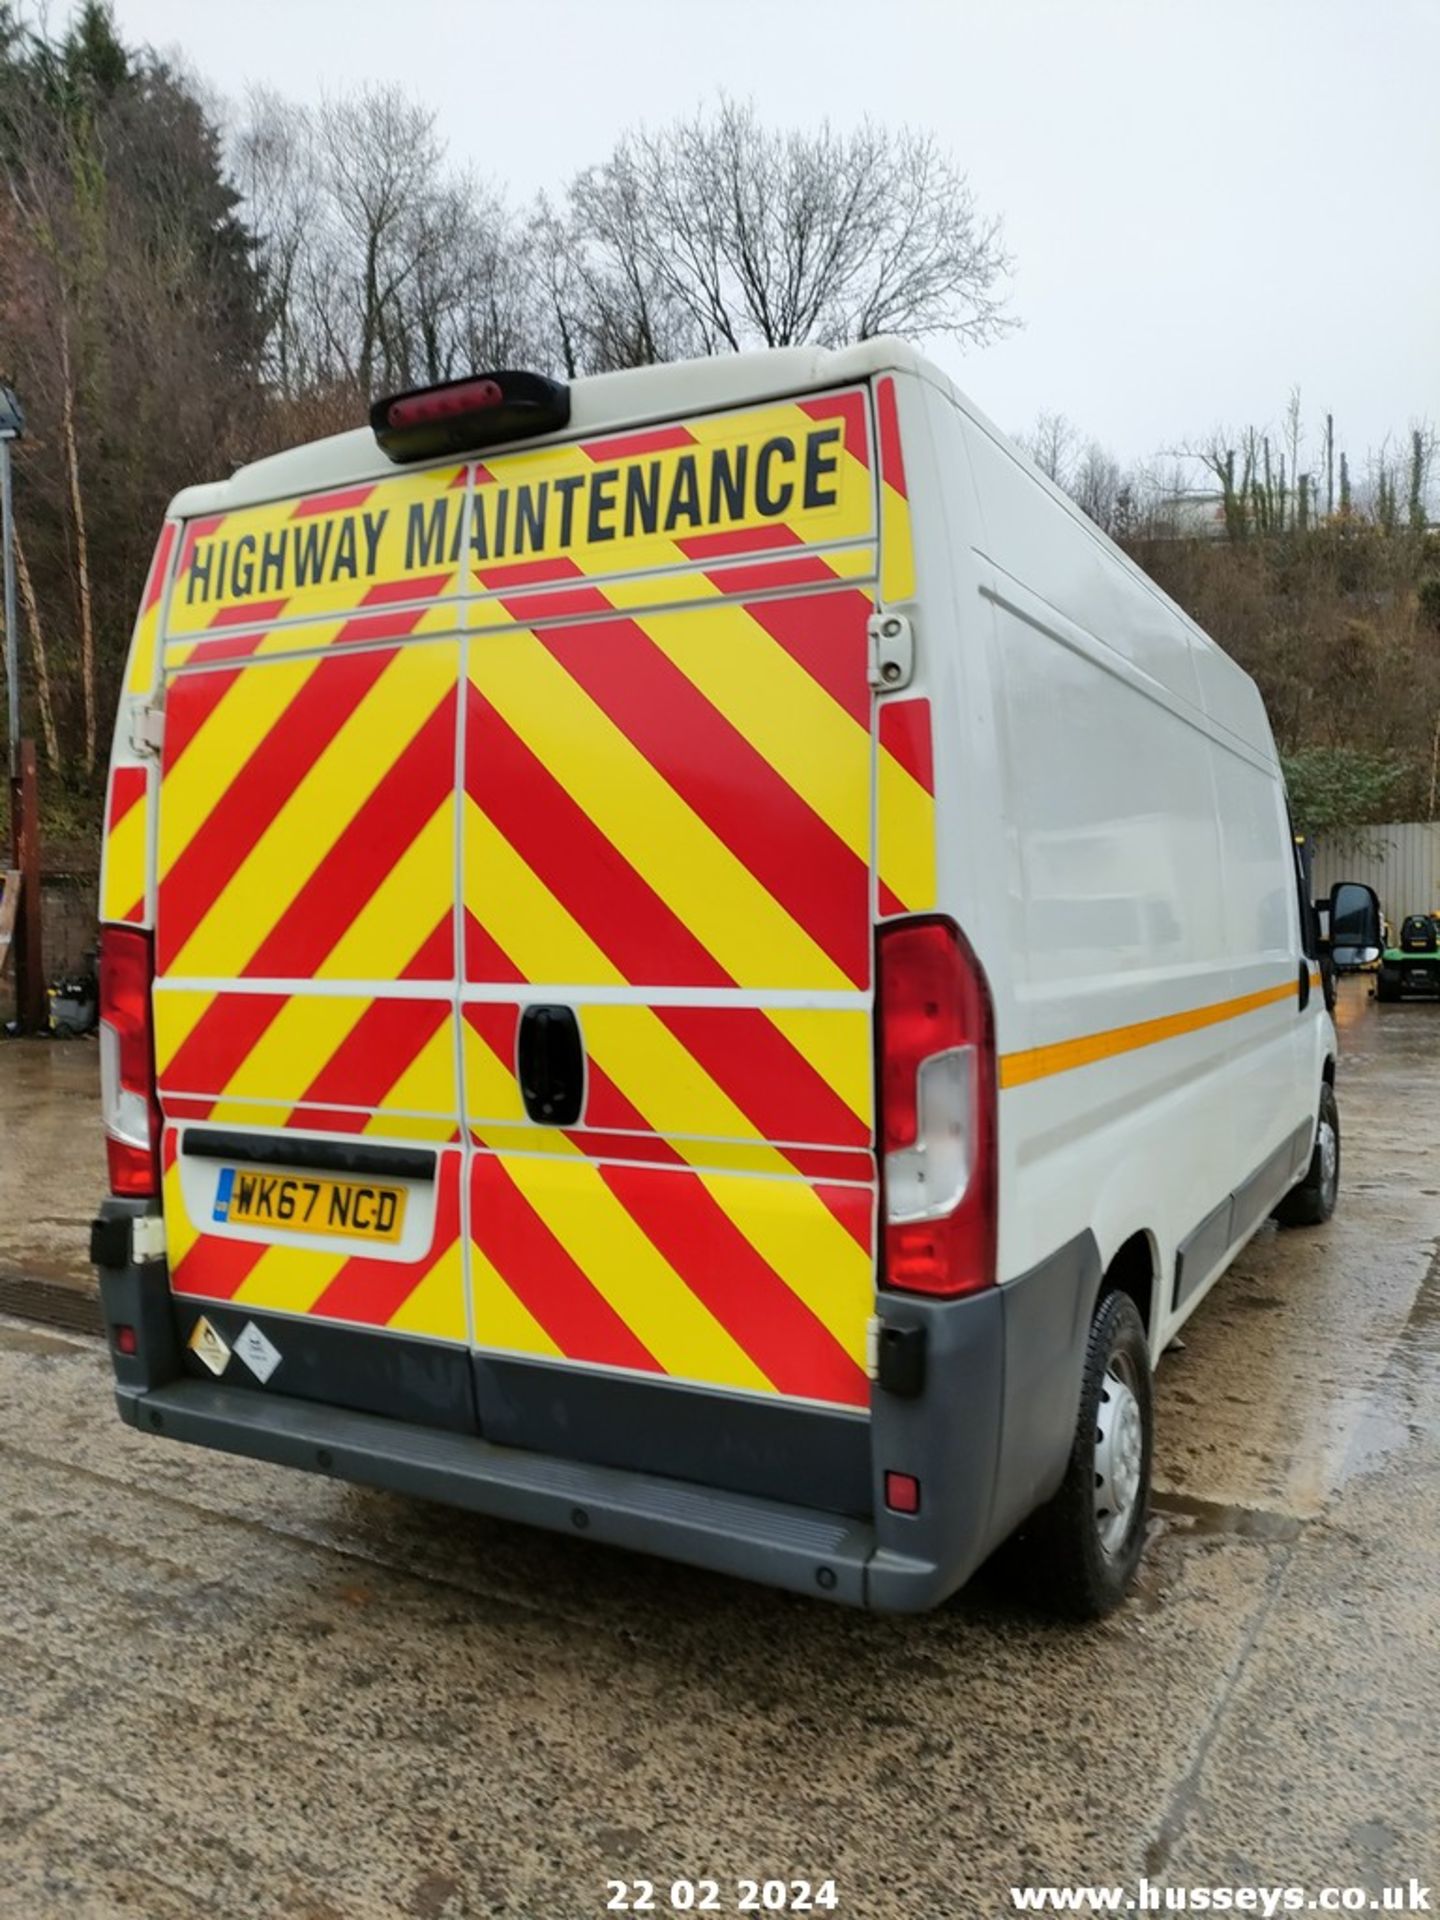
{"x":70,"y":903}
{"x":1400,"y":860}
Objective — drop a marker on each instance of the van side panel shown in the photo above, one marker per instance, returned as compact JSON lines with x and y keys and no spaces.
{"x":1148,"y":1037}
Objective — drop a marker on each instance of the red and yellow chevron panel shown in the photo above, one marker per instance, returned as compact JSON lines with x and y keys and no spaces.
{"x":307,"y":818}
{"x":424,"y":1296}
{"x":358,"y":548}
{"x":372,"y":624}
{"x":127,"y":840}
{"x":142,"y":670}
{"x":677,"y":799}
{"x":905,"y":807}
{"x":696,"y":1075}
{"x":342,"y":1062}
{"x":897,"y":552}
{"x":567,"y":594}
{"x":763,"y":1286}
{"x":794,"y":474}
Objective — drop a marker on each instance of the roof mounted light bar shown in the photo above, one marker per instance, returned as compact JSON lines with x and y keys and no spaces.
{"x":460,"y":416}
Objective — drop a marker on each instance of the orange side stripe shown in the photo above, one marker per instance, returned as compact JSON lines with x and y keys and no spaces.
{"x":1038,"y":1063}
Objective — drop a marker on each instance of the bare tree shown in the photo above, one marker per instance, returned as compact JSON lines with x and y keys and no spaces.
{"x":1422,"y":459}
{"x":276,"y":169}
{"x":608,"y":305}
{"x":383,"y":267}
{"x":719,"y":233}
{"x":380,"y":161}
{"x":58,"y":192}
{"x":1051,"y":444}
{"x":1096,"y":486}
{"x":130,"y":322}
{"x":471,"y":302}
{"x":39,"y":655}
{"x":85,"y":601}
{"x":1237,"y":476}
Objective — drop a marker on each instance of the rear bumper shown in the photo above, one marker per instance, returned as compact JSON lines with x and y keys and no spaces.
{"x":785,"y":1546}
{"x":988,"y":1437}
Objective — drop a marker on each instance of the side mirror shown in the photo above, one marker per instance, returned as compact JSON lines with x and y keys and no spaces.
{"x":1354,"y":921}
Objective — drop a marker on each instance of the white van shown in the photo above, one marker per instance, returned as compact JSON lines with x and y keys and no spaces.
{"x":695,"y":958}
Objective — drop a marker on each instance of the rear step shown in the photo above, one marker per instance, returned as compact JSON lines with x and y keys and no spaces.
{"x":819,"y":1554}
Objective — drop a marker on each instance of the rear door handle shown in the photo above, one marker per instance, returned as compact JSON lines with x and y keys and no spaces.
{"x":550,"y":1062}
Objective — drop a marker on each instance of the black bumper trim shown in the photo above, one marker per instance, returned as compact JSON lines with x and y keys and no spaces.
{"x":823,"y":1555}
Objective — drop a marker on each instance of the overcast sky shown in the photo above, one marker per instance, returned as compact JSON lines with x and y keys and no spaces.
{"x":1208,"y":201}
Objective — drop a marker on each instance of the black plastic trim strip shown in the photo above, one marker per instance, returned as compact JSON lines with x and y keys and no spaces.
{"x":1202,"y":1250}
{"x":330,"y":1156}
{"x":771,"y":1447}
{"x":1269,"y":1184}
{"x":1238,"y":1215}
{"x":368,"y":1370}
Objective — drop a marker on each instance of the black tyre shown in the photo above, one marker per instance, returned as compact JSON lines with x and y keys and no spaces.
{"x":1387,"y":989}
{"x":1313,"y":1201}
{"x":1078,"y":1554}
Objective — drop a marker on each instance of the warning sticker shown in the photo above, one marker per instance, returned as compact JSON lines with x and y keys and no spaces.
{"x":207,"y":1345}
{"x":262,"y":1356}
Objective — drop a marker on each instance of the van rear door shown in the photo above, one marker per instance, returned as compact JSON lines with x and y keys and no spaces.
{"x":669,"y":894}
{"x":305,"y":999}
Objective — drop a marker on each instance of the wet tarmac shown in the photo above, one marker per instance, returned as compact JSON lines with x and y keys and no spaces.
{"x":52,"y":1157}
{"x":231,"y":1690}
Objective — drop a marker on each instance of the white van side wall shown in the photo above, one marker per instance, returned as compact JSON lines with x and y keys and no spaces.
{"x":1118,"y":851}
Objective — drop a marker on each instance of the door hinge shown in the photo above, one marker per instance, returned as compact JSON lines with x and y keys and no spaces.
{"x":147,"y":729}
{"x":892,"y":651}
{"x":872,"y":1347}
{"x":147,"y":1238}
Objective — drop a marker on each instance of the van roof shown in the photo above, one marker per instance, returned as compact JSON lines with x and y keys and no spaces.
{"x":599,"y":403}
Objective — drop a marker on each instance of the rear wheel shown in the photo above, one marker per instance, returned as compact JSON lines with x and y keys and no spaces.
{"x":1078,"y":1554}
{"x":1387,"y":989}
{"x":1313,"y":1201}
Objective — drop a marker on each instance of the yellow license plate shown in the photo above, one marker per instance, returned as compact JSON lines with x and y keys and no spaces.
{"x":309,"y":1203}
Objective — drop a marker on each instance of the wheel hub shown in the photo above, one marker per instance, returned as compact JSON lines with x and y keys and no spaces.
{"x":1119,"y":1459}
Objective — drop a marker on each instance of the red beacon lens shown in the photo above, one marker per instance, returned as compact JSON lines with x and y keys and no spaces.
{"x":461,"y":416}
{"x":445,"y":403}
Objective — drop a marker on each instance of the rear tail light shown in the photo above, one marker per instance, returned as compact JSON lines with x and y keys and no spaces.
{"x":125,"y":1340}
{"x":938,"y":1110}
{"x":127,"y":1062}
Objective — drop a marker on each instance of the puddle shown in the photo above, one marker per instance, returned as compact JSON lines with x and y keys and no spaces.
{"x":1398,"y":1411}
{"x":28,"y":1340}
{"x":1188,"y":1514}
